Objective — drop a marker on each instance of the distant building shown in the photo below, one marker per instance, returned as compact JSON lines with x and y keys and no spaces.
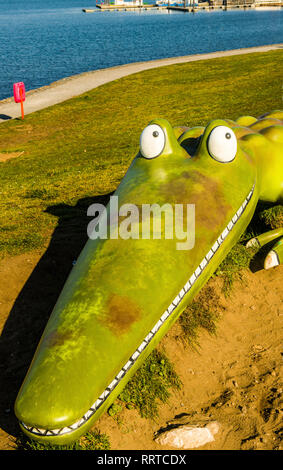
{"x":130,"y":3}
{"x":187,"y":3}
{"x":251,"y":3}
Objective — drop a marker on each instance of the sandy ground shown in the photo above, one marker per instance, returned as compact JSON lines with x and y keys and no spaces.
{"x":235,"y":377}
{"x":67,"y":88}
{"x":8,"y":156}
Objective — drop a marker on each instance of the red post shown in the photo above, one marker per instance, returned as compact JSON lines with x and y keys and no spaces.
{"x":22,"y":103}
{"x":20,"y":95}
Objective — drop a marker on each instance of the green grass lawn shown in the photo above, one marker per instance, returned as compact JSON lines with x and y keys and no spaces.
{"x":80,"y":149}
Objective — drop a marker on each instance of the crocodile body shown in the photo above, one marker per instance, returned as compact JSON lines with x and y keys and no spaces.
{"x":123,"y":295}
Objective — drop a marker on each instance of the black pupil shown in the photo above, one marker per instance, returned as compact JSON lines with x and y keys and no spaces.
{"x":155,"y":134}
{"x":228,"y":135}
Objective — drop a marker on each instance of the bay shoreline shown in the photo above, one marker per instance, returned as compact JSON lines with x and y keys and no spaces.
{"x":75,"y":85}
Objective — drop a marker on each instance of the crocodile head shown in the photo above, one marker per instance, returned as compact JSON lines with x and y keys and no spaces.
{"x":123,"y":294}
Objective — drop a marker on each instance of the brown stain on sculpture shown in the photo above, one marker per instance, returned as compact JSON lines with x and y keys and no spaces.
{"x":121,"y":313}
{"x":56,"y":339}
{"x":193,"y":187}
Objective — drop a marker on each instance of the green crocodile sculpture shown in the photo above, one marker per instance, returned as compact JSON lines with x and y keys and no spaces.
{"x":123,"y":295}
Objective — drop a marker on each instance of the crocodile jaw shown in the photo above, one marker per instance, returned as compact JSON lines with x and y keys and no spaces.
{"x":68,"y":433}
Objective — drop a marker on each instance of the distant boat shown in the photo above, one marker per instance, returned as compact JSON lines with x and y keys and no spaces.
{"x":88,"y":10}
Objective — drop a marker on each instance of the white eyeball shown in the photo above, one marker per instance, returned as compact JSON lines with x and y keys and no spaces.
{"x":152,"y":141}
{"x":222,"y":144}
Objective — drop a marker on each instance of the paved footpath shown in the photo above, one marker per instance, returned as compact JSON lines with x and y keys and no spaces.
{"x":76,"y":85}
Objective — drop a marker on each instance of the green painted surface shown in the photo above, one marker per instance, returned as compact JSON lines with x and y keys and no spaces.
{"x":119,"y":289}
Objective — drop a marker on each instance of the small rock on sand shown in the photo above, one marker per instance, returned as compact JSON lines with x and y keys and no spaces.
{"x":188,"y":436}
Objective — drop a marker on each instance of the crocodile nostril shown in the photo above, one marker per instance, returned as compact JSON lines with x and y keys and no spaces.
{"x":191,"y":145}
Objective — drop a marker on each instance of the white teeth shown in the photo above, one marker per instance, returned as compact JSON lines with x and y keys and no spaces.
{"x":62,"y":431}
{"x":135,"y":356}
{"x":40,"y":431}
{"x":104,"y":395}
{"x":250,"y":193}
{"x":73,"y":426}
{"x":224,"y":233}
{"x":187,"y":286}
{"x":164,"y":316}
{"x":121,"y":374}
{"x":154,"y":329}
{"x":88,"y":414}
{"x":146,"y":341}
{"x":239,"y":211}
{"x":56,"y":431}
{"x":181,"y":293}
{"x":159,"y":324}
{"x":98,"y":402}
{"x":203,"y":263}
{"x":215,"y":247}
{"x":197,"y":271}
{"x":27,"y":427}
{"x":141,"y":347}
{"x":171,"y":308}
{"x":127,"y":365}
{"x":176,"y":300}
{"x":209,"y":255}
{"x":113,"y":383}
{"x":148,"y":337}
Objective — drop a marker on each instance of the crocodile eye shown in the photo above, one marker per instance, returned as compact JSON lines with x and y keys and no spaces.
{"x":152,"y":141}
{"x":222,"y":144}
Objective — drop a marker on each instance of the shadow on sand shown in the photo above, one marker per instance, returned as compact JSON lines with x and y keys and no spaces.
{"x":33,"y":306}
